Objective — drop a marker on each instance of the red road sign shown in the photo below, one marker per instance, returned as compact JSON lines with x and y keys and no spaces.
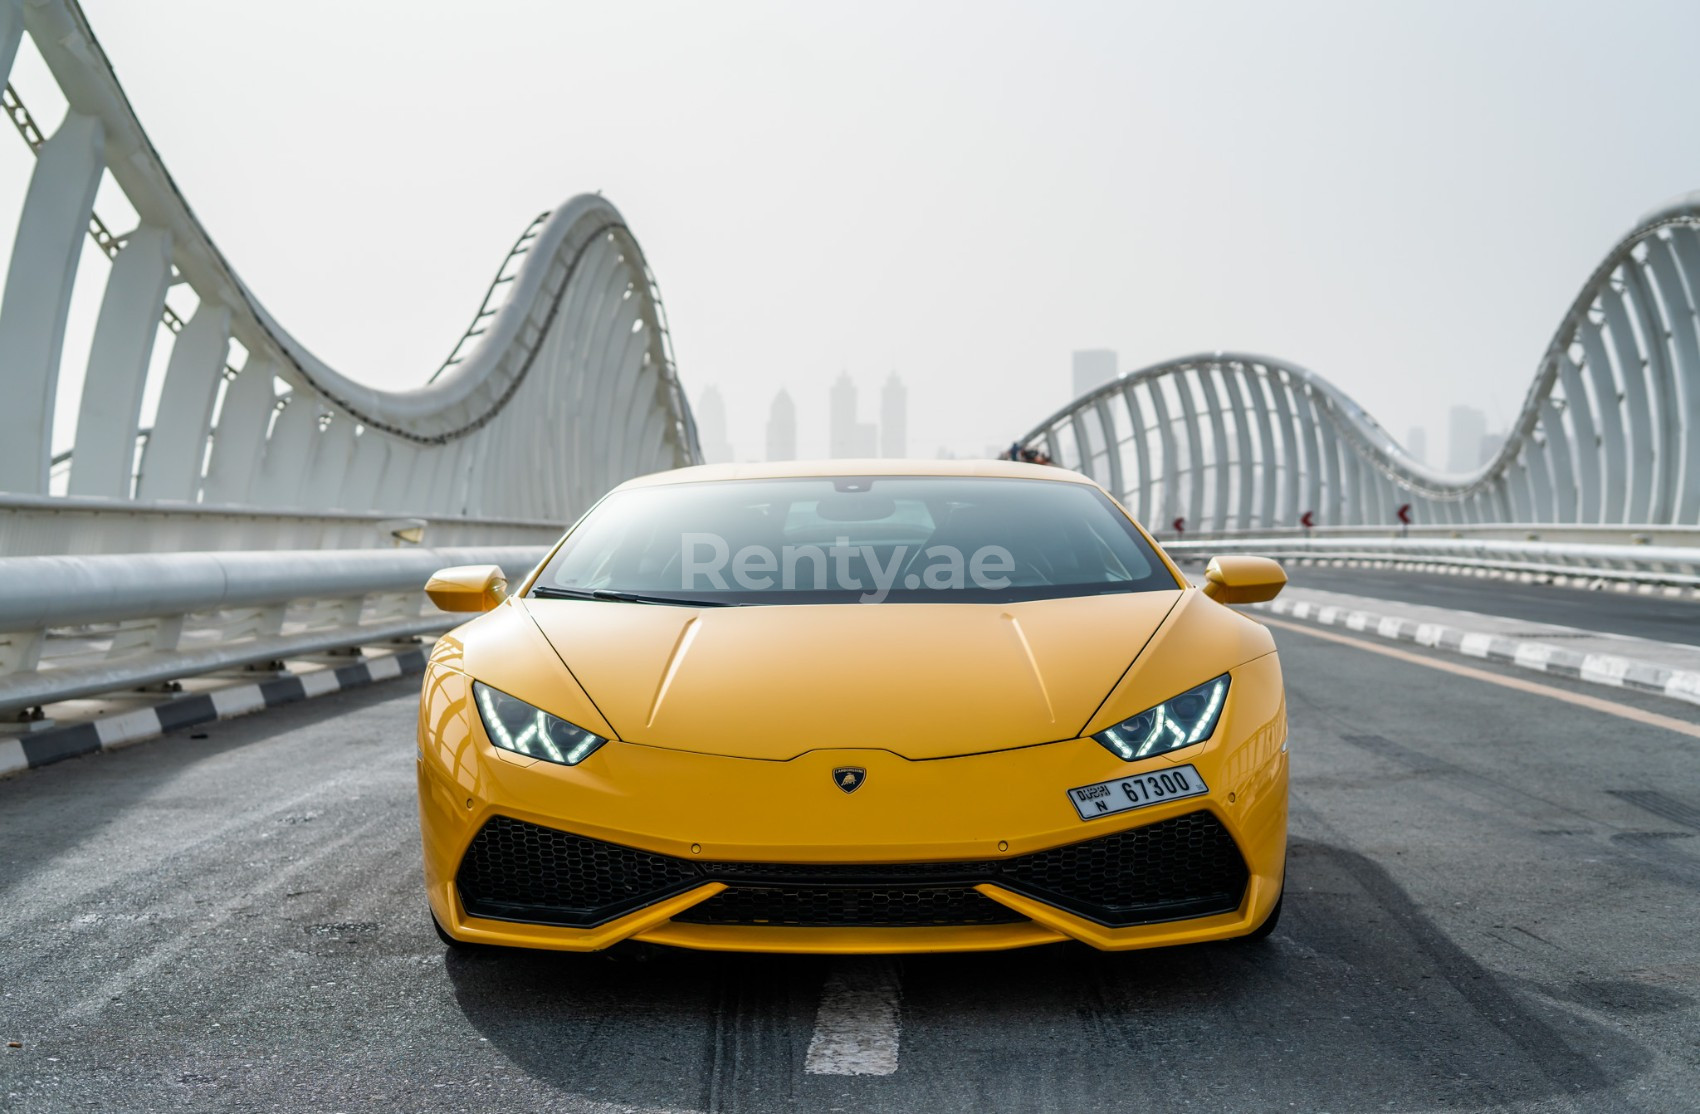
{"x":1405,"y":513}
{"x":1180,"y":525}
{"x":1308,"y":519}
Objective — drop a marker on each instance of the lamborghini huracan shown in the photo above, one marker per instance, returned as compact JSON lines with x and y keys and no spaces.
{"x":854,"y":706}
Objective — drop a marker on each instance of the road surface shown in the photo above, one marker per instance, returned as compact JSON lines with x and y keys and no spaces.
{"x":1492,"y":905}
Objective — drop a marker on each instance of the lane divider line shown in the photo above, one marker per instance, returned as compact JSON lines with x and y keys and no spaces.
{"x":1543,"y":657}
{"x":29,"y":752}
{"x":1580,"y":699}
{"x":858,"y":1023}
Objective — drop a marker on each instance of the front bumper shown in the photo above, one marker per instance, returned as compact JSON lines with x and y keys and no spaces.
{"x":960,"y":854}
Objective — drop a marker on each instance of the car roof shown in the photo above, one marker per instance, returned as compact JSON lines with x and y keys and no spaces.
{"x":802,"y":469}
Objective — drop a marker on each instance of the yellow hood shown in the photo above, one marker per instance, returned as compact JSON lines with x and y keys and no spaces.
{"x":921,"y":680}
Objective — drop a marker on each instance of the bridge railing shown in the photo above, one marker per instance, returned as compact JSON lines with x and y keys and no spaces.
{"x":562,"y":386}
{"x":1669,"y":565}
{"x":75,"y":627}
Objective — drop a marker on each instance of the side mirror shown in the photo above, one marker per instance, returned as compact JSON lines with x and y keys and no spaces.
{"x":1243,"y":579}
{"x":467,"y":587}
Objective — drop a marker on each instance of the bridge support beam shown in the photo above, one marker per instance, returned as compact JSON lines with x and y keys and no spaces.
{"x":118,"y":365}
{"x":288,"y":453}
{"x":171,"y":464}
{"x":240,"y":438}
{"x":38,"y":295}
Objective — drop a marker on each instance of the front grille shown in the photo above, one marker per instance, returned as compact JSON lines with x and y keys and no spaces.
{"x":1184,"y":867}
{"x":523,"y":872}
{"x":848,"y":873}
{"x":1187,"y":866}
{"x":868,"y":906}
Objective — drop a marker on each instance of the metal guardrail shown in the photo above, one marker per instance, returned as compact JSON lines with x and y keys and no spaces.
{"x":1577,"y":534}
{"x":43,"y":525}
{"x":565,"y":375}
{"x":75,"y":627}
{"x":1640,"y":564}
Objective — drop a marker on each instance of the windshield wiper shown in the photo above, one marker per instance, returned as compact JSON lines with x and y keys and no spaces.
{"x":626,"y":597}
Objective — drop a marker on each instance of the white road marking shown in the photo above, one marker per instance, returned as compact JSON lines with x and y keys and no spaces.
{"x":1476,"y":645}
{"x":318,"y":682}
{"x":116,"y":731}
{"x":382,"y":669}
{"x":857,"y":1026}
{"x":238,"y":700}
{"x":1582,"y":700}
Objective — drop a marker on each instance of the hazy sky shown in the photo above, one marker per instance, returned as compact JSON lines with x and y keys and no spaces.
{"x":1402,"y":197}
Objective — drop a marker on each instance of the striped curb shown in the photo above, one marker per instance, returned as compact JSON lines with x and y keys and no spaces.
{"x":1599,"y":669}
{"x":28,"y":752}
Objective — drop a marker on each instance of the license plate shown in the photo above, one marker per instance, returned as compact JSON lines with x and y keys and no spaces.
{"x":1136,"y":791}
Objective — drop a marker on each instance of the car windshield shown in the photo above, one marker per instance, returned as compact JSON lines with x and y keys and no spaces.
{"x":854,"y":539}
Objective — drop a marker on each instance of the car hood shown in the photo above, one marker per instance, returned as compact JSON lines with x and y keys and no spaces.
{"x":921,"y":680}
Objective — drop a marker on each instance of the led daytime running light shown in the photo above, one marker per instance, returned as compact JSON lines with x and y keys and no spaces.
{"x":1180,"y":721}
{"x":516,"y":726}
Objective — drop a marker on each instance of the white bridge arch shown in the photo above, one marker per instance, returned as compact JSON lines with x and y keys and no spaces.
{"x":1609,"y":433}
{"x":563,"y":385}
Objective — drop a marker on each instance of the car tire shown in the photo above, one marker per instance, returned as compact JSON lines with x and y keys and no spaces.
{"x":449,"y":941}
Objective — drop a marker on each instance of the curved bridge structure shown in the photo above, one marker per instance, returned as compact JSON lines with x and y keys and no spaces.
{"x":1609,"y":433}
{"x":563,"y":385}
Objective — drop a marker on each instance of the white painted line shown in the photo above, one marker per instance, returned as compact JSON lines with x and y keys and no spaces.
{"x":382,"y":669}
{"x":238,"y":700}
{"x":1428,"y":634}
{"x":12,"y":756}
{"x":1534,"y":655}
{"x":319,"y":682}
{"x":1476,"y":645}
{"x":1389,"y":627}
{"x":1604,"y":669}
{"x":1684,"y":686}
{"x":131,"y":727}
{"x":856,"y":1028}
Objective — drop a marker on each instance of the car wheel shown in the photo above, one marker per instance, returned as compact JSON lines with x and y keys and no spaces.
{"x":450,"y":941}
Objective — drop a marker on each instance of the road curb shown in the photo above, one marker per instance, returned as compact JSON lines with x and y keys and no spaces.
{"x":29,"y":752}
{"x":1543,"y":657}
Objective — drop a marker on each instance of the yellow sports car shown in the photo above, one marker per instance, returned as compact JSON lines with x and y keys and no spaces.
{"x":870,"y":706}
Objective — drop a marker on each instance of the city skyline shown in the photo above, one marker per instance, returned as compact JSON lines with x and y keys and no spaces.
{"x":710,"y":414}
{"x":894,"y":418}
{"x":1092,"y":367}
{"x":785,"y":433}
{"x":782,"y":427}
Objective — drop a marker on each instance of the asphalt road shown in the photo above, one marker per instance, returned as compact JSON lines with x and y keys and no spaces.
{"x":1492,"y":905}
{"x":1658,"y":617}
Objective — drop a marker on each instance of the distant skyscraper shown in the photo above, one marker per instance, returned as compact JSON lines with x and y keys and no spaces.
{"x":1491,"y":444}
{"x":841,"y":441}
{"x":1093,"y":367}
{"x":865,"y":443}
{"x":711,"y":427}
{"x":894,"y":418}
{"x":1465,"y":429}
{"x":1416,"y":443}
{"x":782,"y":428}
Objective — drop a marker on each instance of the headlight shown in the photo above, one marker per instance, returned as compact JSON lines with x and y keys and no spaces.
{"x":1175,"y":723}
{"x":514,"y":725}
